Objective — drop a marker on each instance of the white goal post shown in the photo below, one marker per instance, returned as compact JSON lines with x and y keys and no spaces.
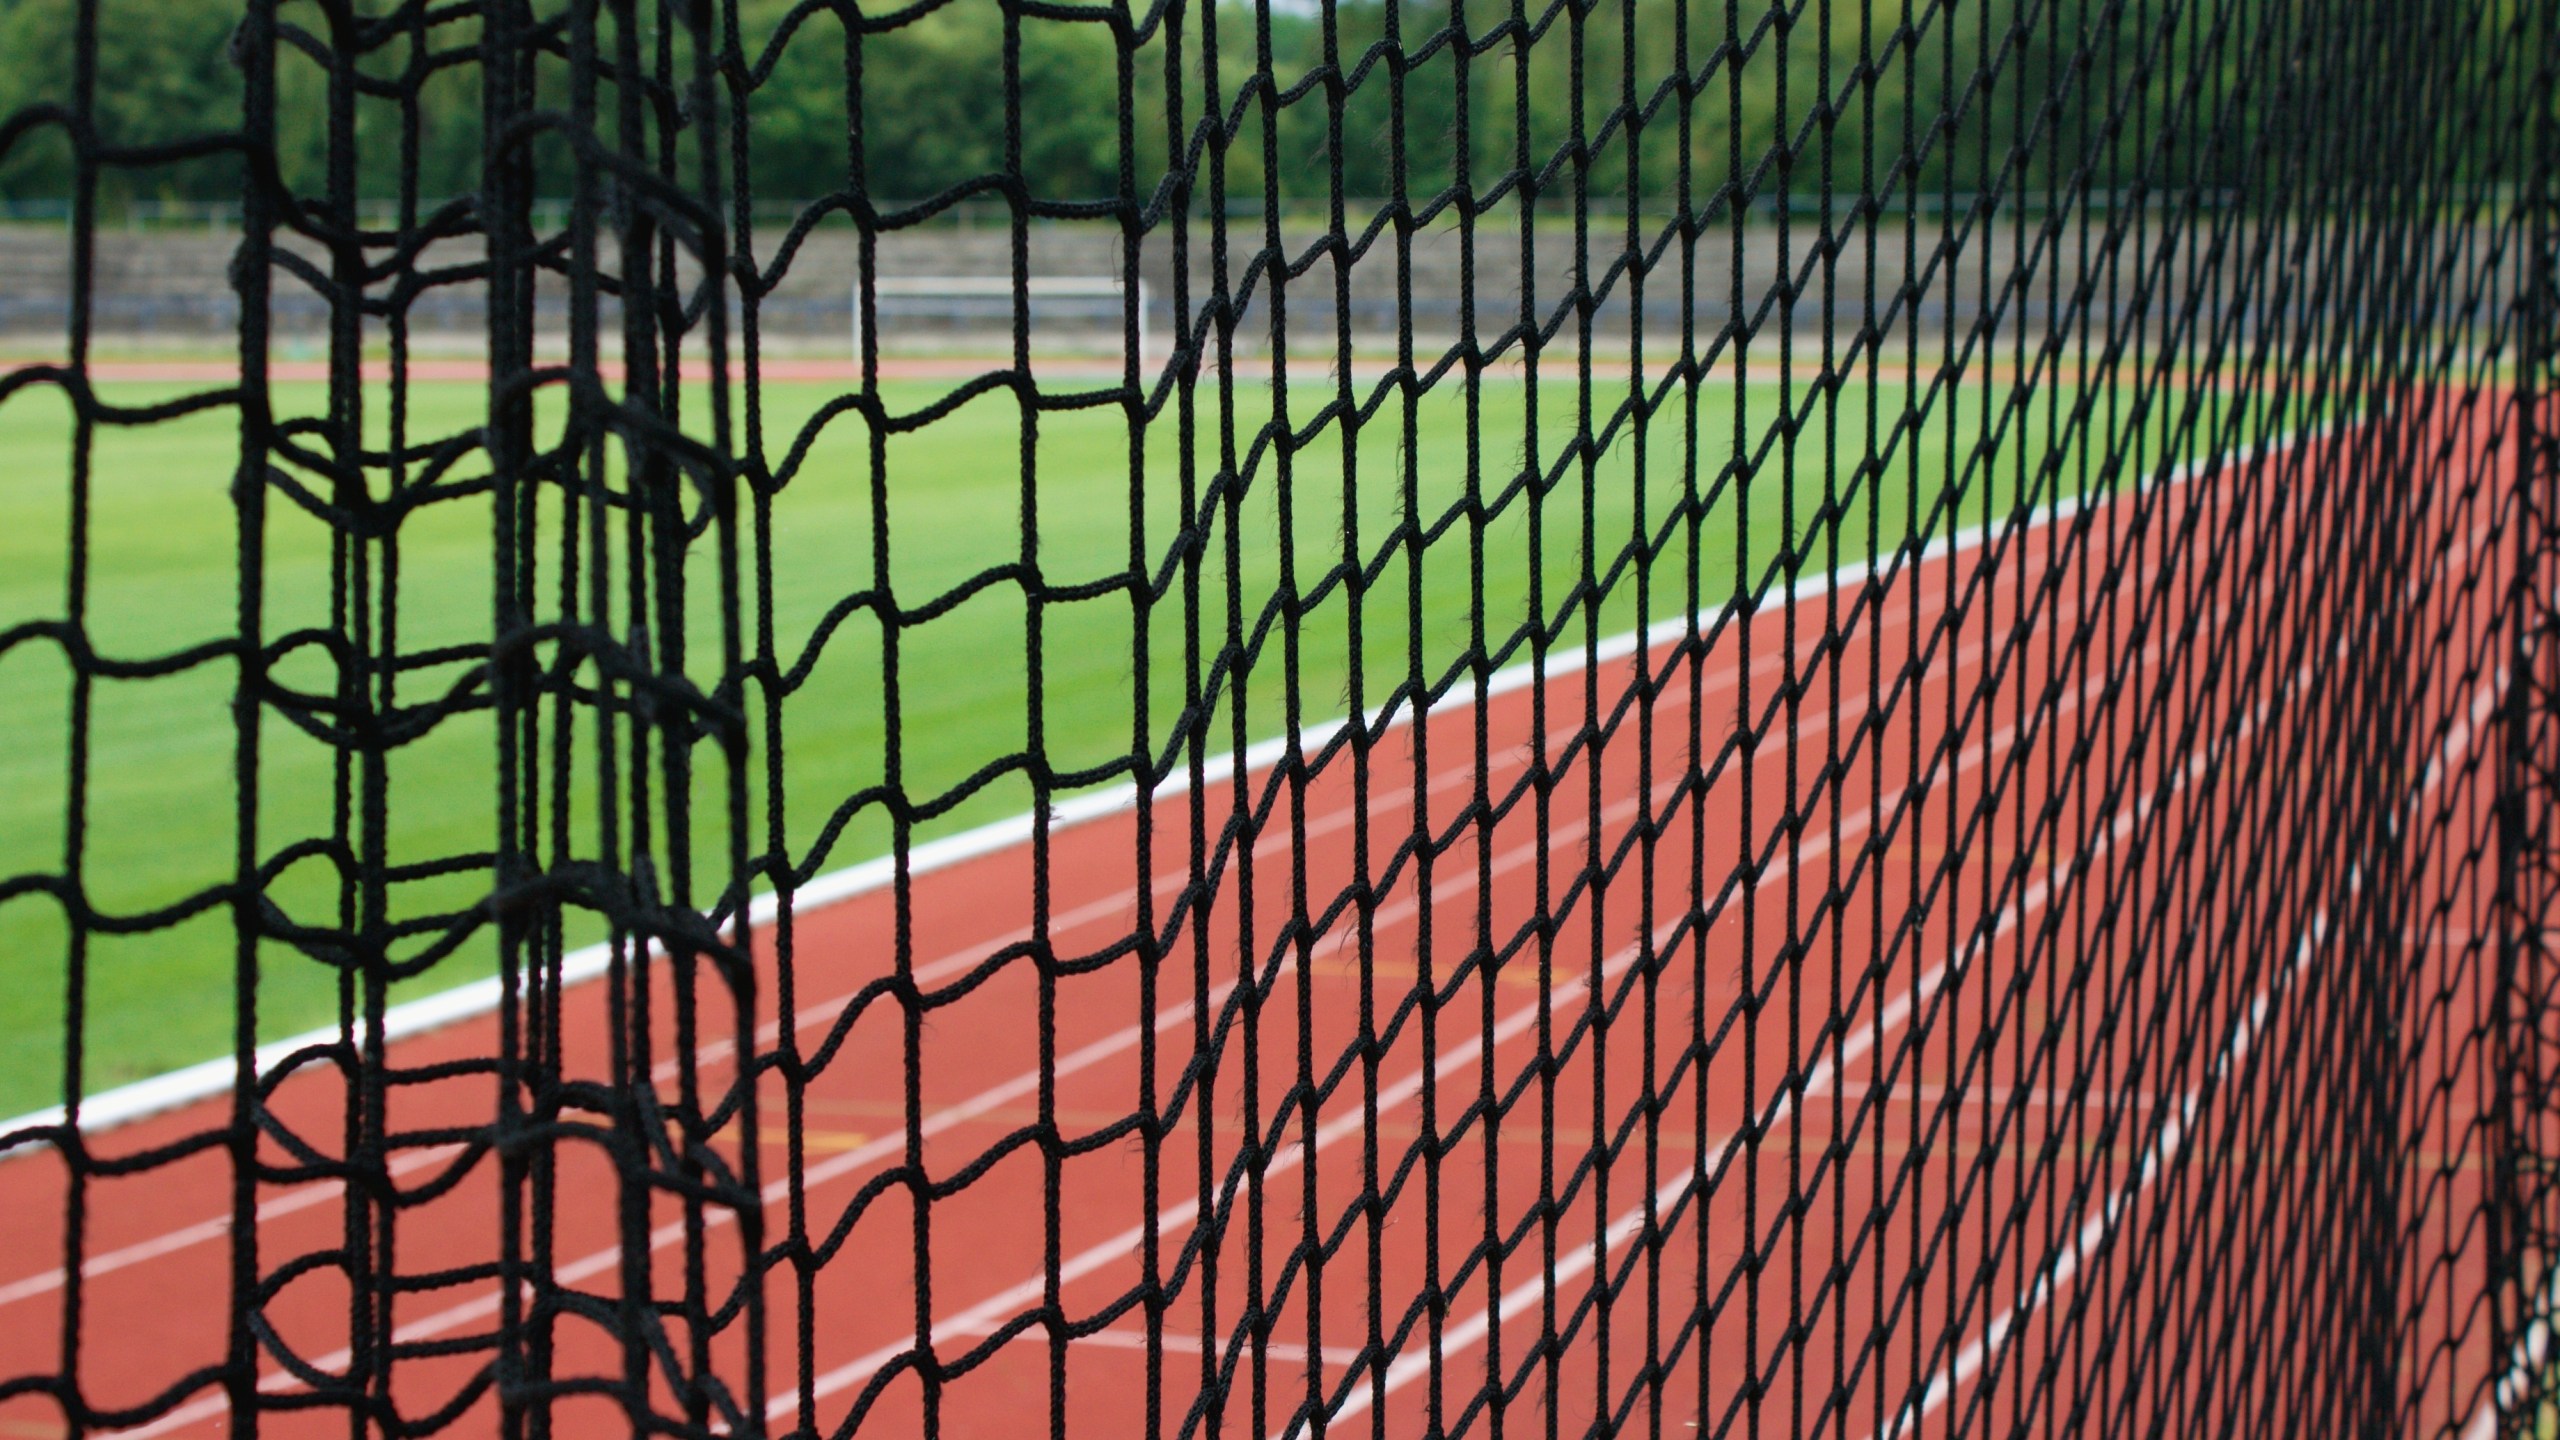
{"x":999,"y":288}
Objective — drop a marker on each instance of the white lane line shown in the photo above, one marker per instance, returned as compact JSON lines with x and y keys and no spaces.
{"x":146,"y":1097}
{"x":300,"y":1197}
{"x":1457,"y":881}
{"x":1818,"y":1080}
{"x":2060,"y":1268}
{"x":1884,"y":620}
{"x":1502,"y":761}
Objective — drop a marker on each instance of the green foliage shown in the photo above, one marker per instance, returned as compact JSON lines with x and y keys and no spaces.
{"x":165,"y":74}
{"x":927,"y":123}
{"x":1990,"y":94}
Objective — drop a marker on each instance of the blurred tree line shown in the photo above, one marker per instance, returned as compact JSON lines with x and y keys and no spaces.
{"x":2032,"y":94}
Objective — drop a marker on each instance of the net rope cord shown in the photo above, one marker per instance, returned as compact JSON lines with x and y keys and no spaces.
{"x":1272,"y":718}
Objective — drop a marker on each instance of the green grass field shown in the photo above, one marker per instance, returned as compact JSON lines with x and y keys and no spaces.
{"x":163,"y":575}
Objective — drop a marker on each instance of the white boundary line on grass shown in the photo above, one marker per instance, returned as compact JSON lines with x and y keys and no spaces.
{"x":207,"y":1079}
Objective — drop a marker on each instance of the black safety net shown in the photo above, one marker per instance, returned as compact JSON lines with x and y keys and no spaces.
{"x":1279,"y":718}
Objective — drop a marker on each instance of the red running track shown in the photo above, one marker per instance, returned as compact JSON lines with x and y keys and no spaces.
{"x":1890,"y":1081}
